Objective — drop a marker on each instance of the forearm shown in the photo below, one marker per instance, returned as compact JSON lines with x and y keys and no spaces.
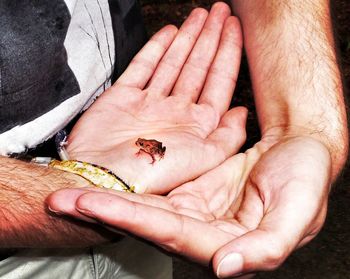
{"x":24,"y":218}
{"x":296,"y":79}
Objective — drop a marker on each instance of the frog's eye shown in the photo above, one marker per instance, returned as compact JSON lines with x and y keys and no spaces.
{"x":141,"y":143}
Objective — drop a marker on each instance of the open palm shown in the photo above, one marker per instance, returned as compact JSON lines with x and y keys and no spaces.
{"x":256,"y":207}
{"x":176,"y":91}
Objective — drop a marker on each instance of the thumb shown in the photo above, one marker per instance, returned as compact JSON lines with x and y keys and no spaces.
{"x":231,"y":134}
{"x":284,"y":226}
{"x":256,"y":250}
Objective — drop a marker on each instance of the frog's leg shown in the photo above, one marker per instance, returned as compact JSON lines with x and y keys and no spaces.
{"x":150,"y":154}
{"x":153,"y":159}
{"x":138,"y":153}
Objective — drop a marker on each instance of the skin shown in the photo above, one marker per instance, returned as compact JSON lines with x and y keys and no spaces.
{"x":256,"y":208}
{"x":202,"y":125}
{"x":170,"y":93}
{"x":24,"y":218}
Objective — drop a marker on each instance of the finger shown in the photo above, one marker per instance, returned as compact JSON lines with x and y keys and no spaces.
{"x":64,"y":201}
{"x":251,"y":211}
{"x":221,"y":197}
{"x":223,"y":73}
{"x":170,"y":66}
{"x":282,"y":228}
{"x":194,"y":72}
{"x":231,"y":133}
{"x":173,"y":232}
{"x":142,"y":67}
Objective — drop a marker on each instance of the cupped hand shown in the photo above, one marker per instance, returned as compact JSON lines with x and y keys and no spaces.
{"x":177,"y":91}
{"x":246,"y":215}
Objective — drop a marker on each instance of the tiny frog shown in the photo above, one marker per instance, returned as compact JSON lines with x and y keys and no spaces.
{"x":152,"y":147}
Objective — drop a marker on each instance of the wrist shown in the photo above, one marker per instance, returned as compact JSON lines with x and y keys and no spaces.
{"x":334,"y":139}
{"x":37,"y":175}
{"x":25,"y":221}
{"x":73,"y":180}
{"x":121,"y":160}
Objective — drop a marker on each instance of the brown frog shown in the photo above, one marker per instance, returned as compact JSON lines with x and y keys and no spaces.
{"x":152,"y":147}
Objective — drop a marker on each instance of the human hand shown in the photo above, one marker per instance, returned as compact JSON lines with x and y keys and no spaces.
{"x":244,"y":216}
{"x":177,"y":90}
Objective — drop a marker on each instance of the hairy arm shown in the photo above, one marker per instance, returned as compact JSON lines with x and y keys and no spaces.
{"x":296,"y":79}
{"x":24,"y":218}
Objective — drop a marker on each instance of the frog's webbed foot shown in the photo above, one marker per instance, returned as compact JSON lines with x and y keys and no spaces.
{"x":137,"y":154}
{"x":153,"y":159}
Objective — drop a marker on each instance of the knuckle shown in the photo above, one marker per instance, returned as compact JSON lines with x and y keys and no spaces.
{"x":158,"y":43}
{"x":175,"y":242}
{"x":274,"y":257}
{"x":171,"y":246}
{"x":226,"y":74}
{"x":171,"y":62}
{"x":143,"y":62}
{"x":199,"y":64}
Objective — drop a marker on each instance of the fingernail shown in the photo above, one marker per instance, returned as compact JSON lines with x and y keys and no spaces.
{"x":55,"y":211}
{"x":231,"y":265}
{"x":85,"y":212}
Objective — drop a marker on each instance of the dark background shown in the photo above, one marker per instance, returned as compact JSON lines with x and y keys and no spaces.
{"x":327,"y":256}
